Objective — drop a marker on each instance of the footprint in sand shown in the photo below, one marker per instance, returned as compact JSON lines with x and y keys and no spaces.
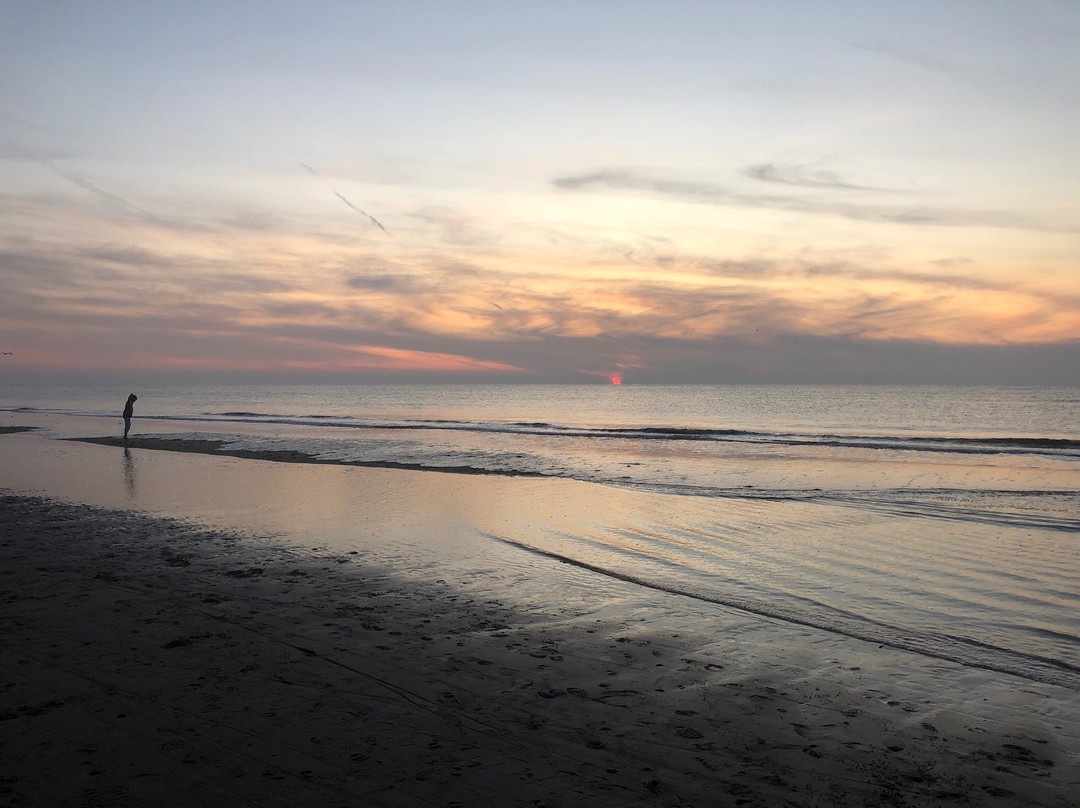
{"x":616,"y":697}
{"x":190,"y":639}
{"x":250,"y":572}
{"x":1022,"y":755}
{"x":102,"y":796}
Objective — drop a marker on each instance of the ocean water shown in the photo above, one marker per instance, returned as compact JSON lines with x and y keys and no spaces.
{"x":941,"y":520}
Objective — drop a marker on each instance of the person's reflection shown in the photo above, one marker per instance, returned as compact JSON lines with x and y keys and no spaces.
{"x":129,"y":474}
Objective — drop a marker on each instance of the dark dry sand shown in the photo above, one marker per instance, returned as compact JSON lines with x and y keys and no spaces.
{"x":151,"y":662}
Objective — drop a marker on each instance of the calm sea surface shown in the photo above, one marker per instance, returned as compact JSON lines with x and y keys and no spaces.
{"x":944,"y":520}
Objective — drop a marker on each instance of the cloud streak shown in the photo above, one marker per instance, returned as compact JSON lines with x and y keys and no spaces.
{"x":341,"y":196}
{"x":115,"y":200}
{"x":801,"y":177}
{"x":108,"y":196}
{"x":713,"y":194}
{"x":908,"y":56}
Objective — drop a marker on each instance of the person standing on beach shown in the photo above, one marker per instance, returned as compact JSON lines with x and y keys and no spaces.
{"x":128,"y":408}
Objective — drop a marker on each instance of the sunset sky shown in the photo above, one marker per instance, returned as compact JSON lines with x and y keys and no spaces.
{"x":542,"y":191}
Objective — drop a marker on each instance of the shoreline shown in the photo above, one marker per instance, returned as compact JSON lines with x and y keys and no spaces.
{"x":154,"y":661}
{"x":210,"y":446}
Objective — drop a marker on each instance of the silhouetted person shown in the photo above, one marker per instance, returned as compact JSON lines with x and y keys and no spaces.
{"x":128,"y":407}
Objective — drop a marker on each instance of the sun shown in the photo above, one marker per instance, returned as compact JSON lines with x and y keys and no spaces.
{"x":616,"y":379}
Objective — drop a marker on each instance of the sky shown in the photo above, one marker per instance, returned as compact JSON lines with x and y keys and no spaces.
{"x":502,"y":191}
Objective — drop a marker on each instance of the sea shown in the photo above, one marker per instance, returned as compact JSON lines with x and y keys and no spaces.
{"x":939,"y":520}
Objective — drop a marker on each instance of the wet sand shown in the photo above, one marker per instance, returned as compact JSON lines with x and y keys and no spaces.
{"x":148,"y":660}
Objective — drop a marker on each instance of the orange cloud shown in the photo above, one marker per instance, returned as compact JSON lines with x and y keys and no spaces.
{"x":97,"y":292}
{"x":399,"y":359}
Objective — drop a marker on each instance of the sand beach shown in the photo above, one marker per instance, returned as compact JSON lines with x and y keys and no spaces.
{"x":539,"y":405}
{"x":153,"y":653}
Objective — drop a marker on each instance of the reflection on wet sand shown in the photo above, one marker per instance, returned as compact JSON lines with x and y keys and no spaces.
{"x":130,"y":482}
